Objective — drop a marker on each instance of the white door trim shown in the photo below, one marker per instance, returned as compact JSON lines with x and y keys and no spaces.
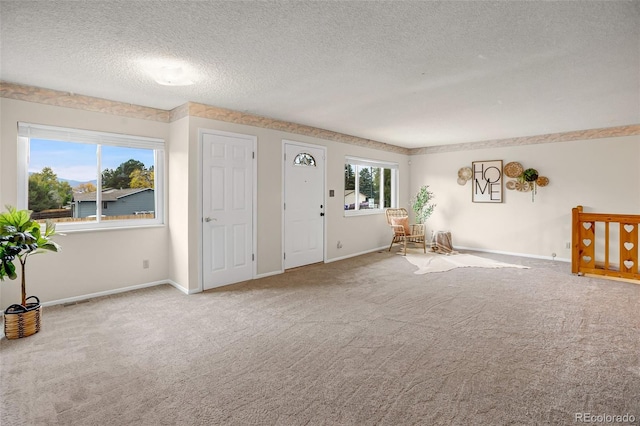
{"x":282,"y":198}
{"x":200,"y":186}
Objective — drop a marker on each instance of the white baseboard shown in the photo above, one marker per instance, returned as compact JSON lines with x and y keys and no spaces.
{"x":335,"y":259}
{"x":267,"y":274}
{"x":109,"y":292}
{"x":182,"y":289}
{"x":532,"y":256}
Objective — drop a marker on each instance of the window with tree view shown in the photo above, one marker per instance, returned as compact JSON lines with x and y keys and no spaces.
{"x":91,"y":179}
{"x":369,"y":185}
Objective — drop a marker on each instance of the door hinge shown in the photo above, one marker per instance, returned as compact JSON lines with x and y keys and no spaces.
{"x":285,"y":156}
{"x":285,"y":206}
{"x":285,"y":256}
{"x":253,"y":257}
{"x":253,"y":155}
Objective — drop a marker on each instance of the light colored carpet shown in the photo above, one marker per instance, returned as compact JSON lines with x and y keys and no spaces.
{"x":436,"y":262}
{"x":362,"y":341}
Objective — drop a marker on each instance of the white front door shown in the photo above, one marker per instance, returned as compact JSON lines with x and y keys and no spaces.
{"x":227,"y":208}
{"x":304,"y":205}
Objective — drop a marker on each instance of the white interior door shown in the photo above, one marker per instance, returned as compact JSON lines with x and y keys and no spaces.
{"x":227,"y":208}
{"x":304,"y":205}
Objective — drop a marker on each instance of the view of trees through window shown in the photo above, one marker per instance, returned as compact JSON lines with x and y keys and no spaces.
{"x":130,"y":174}
{"x":63,"y":184}
{"x":46,"y":192}
{"x":367,"y":187}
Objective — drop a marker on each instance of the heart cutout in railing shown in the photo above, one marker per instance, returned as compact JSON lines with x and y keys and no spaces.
{"x":586,"y":242}
{"x":628,"y":228}
{"x":628,"y":245}
{"x":587,"y":259}
{"x":628,"y":264}
{"x":587,"y":225}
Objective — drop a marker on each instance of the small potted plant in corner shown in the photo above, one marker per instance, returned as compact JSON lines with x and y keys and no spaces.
{"x":21,"y":237}
{"x":421,"y":206}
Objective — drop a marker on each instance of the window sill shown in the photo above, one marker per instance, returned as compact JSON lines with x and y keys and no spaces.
{"x":118,"y":227}
{"x":367,"y":212}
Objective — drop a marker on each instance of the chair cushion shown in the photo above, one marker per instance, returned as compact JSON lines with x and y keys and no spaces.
{"x":404,"y":221}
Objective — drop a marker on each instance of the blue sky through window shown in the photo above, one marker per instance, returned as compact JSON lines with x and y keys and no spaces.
{"x":77,"y":161}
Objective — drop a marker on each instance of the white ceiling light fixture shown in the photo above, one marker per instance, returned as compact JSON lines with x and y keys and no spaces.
{"x":169,"y":73}
{"x":173,"y":76}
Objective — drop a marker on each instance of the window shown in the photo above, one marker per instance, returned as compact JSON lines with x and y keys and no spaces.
{"x":369,"y":186}
{"x":86,"y":180}
{"x":304,"y":159}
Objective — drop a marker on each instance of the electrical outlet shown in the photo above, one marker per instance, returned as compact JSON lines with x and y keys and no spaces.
{"x":145,"y":264}
{"x":568,"y":245}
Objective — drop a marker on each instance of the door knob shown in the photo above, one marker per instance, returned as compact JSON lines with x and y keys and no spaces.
{"x":209,"y":219}
{"x":321,"y":214}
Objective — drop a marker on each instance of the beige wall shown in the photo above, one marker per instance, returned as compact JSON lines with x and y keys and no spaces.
{"x":94,"y":262}
{"x":178,"y":154}
{"x":357,"y":234}
{"x":91,"y":261}
{"x":600,"y":174}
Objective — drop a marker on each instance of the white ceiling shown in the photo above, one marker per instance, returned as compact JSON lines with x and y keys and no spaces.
{"x":410,"y":73}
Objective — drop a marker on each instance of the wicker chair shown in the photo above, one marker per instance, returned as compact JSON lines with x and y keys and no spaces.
{"x":403,"y":232}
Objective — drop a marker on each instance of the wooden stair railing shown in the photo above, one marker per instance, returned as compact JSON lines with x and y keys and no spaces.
{"x":583,"y":252}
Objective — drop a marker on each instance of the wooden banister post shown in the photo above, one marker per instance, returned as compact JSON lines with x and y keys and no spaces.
{"x":575,"y":239}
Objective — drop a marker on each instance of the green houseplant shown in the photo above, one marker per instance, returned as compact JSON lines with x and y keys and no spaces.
{"x":421,"y":204}
{"x":21,"y":237}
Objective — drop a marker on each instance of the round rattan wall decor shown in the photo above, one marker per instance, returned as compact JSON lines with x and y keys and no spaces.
{"x":464,"y":173}
{"x":542,"y":181}
{"x":513,"y":169}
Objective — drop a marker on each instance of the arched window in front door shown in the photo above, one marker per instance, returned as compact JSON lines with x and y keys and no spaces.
{"x":304,"y":159}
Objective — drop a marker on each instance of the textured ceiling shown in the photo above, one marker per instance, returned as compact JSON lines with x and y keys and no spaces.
{"x":413,"y":74}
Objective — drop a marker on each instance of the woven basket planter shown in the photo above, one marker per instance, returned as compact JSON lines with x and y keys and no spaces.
{"x":22,"y":321}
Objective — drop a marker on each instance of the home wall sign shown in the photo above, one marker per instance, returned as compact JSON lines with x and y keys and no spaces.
{"x":486,"y":181}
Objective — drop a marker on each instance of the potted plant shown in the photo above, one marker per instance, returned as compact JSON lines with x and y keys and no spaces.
{"x":421,"y":204}
{"x":21,"y":237}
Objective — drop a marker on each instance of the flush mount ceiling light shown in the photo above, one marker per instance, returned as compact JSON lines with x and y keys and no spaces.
{"x":172,"y":76}
{"x":169,"y":73}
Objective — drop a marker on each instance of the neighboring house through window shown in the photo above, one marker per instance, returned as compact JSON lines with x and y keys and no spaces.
{"x":115,"y":202}
{"x":370,"y":186}
{"x":84,"y":179}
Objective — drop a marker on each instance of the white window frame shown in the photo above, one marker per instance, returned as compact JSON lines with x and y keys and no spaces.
{"x":365,"y":162}
{"x":27,"y":131}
